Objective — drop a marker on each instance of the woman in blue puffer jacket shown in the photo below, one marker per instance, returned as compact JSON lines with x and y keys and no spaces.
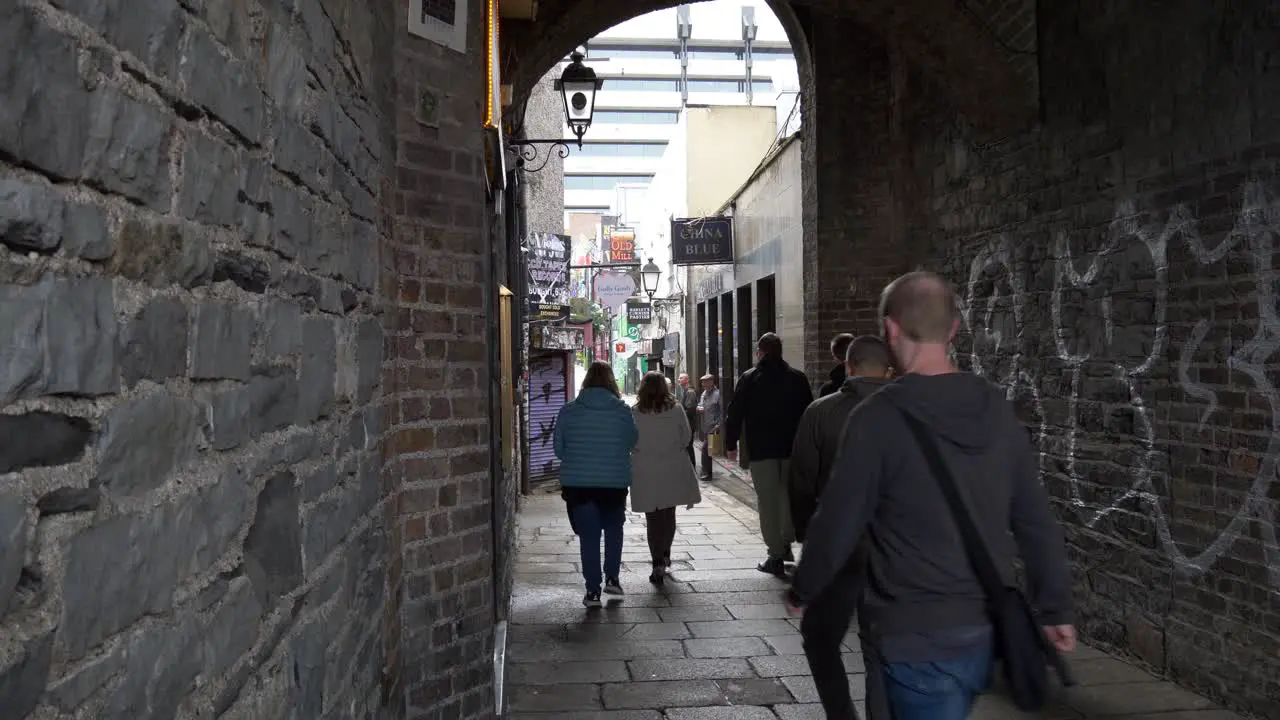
{"x":594,"y":437}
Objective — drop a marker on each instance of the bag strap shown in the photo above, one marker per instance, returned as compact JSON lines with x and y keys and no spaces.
{"x":979,"y":554}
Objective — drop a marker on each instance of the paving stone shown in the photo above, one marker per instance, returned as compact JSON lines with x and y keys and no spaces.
{"x":590,"y":715}
{"x":760,"y":612}
{"x":1107,"y":671}
{"x":567,"y":672}
{"x":761,"y":582}
{"x":700,"y":597}
{"x":804,"y":691}
{"x":743,"y":647}
{"x":693,"y":613}
{"x":657,"y":631}
{"x":668,"y":694}
{"x":1132,"y":698}
{"x":689,"y":669}
{"x":547,"y":698}
{"x":739,"y":628}
{"x":603,"y":650}
{"x":721,"y":713}
{"x":563,"y":615}
{"x":785,"y":665}
{"x":767,"y":691}
{"x":786,"y":644}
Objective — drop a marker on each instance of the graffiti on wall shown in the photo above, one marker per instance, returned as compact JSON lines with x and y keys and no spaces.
{"x":1103,"y":361}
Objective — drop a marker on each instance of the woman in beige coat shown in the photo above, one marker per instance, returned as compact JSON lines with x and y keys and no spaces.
{"x":661,"y":475}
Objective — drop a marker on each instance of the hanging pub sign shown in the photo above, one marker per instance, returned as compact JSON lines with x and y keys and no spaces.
{"x":639,"y":313}
{"x":551,"y":337}
{"x":621,"y":244}
{"x":547,"y":279}
{"x":702,"y":241}
{"x":614,"y":289}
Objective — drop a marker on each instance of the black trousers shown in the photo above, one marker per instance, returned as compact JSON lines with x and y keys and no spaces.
{"x":707,"y":462}
{"x":660,"y":529}
{"x":823,"y":628}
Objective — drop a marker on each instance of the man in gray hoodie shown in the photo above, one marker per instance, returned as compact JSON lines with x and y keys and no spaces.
{"x":818,"y":436}
{"x":926,"y":634}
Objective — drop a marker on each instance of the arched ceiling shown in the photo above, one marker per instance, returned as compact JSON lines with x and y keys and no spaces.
{"x":951,"y":40}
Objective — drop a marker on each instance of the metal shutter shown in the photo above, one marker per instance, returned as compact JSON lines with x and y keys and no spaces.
{"x":548,"y":392}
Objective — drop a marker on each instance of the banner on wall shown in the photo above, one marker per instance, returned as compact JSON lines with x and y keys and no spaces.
{"x":639,"y":313}
{"x":547,"y":266}
{"x":702,"y":241}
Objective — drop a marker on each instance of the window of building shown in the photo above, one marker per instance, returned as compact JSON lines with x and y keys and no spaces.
{"x":635,"y":117}
{"x":603,"y":182}
{"x":610,"y":53}
{"x":696,"y":53}
{"x":633,"y":84}
{"x":727,"y":85}
{"x":646,"y":150}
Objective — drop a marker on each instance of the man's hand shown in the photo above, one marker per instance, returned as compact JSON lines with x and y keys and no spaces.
{"x":792,"y":602}
{"x":1062,"y":637}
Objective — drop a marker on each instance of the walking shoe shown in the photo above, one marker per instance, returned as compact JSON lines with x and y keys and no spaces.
{"x":773,"y":566}
{"x":613,"y":587}
{"x":658,"y":575}
{"x":592,"y":600}
{"x":789,"y":557}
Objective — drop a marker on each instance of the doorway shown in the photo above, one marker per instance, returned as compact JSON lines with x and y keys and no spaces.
{"x":766,"y":306}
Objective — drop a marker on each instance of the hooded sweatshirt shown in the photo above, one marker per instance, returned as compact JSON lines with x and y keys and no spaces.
{"x":835,"y":380}
{"x":816,"y":443}
{"x":919,"y":580}
{"x":594,"y":436}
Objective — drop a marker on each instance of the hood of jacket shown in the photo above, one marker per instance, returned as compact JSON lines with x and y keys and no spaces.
{"x":959,"y":407}
{"x":861,"y":388}
{"x":598,"y":398}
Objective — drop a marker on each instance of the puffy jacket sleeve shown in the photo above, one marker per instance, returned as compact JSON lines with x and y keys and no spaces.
{"x":630,"y":432}
{"x":557,"y":435}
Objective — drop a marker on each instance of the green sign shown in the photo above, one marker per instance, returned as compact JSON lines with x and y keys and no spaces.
{"x":633,"y":332}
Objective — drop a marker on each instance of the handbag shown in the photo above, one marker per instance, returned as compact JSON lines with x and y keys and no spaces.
{"x":1024,"y":652}
{"x":714,"y":446}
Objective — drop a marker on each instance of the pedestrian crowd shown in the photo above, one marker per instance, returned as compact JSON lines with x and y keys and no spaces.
{"x":910,"y":486}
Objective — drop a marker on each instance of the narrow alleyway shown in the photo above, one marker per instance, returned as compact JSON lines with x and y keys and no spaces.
{"x":717,"y":643}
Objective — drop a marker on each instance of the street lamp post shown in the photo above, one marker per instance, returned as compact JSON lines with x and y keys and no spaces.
{"x":578,"y":86}
{"x":649,"y":275}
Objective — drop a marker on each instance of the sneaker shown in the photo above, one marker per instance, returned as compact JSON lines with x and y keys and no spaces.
{"x":592,"y":600}
{"x":658,"y":575}
{"x":613,"y":587}
{"x":773,"y":566}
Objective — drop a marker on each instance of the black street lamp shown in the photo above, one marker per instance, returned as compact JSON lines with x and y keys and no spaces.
{"x":578,"y":86}
{"x":649,"y":275}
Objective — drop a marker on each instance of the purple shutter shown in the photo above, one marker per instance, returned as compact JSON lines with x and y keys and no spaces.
{"x":548,"y":392}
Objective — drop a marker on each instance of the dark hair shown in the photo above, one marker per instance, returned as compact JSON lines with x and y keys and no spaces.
{"x":769,"y":344}
{"x":868,"y":352}
{"x":601,"y":375}
{"x":924,"y":306}
{"x":840,"y":345}
{"x":653,"y":395}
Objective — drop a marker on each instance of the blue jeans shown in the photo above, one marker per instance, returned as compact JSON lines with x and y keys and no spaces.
{"x":940,"y":690}
{"x":590,"y":519}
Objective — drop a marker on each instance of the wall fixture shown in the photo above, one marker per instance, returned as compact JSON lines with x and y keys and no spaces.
{"x":578,"y":86}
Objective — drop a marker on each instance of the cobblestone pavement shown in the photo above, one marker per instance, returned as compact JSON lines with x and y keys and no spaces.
{"x":716,"y":642}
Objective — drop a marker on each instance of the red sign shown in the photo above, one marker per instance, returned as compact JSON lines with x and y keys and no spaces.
{"x":619,"y":347}
{"x":622,"y":245}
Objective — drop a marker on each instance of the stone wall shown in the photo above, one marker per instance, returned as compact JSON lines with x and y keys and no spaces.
{"x":188,"y":292}
{"x":544,"y":190}
{"x":1117,"y":267}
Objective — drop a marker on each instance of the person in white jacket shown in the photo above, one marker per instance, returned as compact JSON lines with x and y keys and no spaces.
{"x":661,"y":475}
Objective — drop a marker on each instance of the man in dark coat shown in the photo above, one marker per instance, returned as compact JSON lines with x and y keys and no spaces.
{"x":768,"y":402}
{"x":688,"y":399}
{"x":836,"y":378}
{"x":818,"y":437}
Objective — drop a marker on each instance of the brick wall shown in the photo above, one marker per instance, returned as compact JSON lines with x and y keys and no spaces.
{"x":189,"y":278}
{"x":1117,"y":266}
{"x":436,"y":443}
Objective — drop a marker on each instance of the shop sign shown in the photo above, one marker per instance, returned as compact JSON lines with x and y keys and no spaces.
{"x":614,"y":289}
{"x":639,"y":313}
{"x":702,"y":241}
{"x":547,"y":276}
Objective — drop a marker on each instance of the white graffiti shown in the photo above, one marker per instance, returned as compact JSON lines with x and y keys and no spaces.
{"x":1093,"y":349}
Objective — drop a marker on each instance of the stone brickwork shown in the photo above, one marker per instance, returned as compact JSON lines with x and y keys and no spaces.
{"x":436,"y":450}
{"x":544,"y":190}
{"x":189,"y":495}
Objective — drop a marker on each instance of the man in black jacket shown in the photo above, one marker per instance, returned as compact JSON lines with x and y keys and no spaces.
{"x":818,"y":436}
{"x":769,"y":400}
{"x":927,"y":636}
{"x":838,"y":374}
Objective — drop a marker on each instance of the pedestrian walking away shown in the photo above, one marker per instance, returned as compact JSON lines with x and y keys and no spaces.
{"x":710,"y":415}
{"x":838,"y":374}
{"x":687,"y":397}
{"x":594,"y":437}
{"x":924,"y":617}
{"x":818,"y":434}
{"x":767,"y":404}
{"x":661,"y":480}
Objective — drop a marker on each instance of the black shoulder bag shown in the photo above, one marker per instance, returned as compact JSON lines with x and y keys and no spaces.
{"x":1025,"y":653}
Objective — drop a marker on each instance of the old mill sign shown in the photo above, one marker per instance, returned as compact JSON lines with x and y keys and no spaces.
{"x":702,"y":241}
